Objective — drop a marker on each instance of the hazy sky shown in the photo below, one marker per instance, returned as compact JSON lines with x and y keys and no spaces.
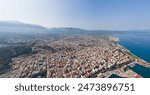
{"x":88,"y":14}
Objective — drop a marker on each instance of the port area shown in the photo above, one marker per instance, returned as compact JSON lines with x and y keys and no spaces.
{"x":126,"y":71}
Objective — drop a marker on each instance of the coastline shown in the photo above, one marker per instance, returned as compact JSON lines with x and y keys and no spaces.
{"x":137,"y":60}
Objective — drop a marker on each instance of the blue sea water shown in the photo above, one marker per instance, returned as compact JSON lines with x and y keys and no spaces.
{"x":137,"y":42}
{"x":141,"y":70}
{"x":115,"y":76}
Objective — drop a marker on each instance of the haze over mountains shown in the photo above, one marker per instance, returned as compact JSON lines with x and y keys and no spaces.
{"x":15,"y":32}
{"x":19,"y":27}
{"x":12,"y":32}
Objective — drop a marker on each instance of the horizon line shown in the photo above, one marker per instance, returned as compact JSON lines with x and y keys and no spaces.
{"x":45,"y":26}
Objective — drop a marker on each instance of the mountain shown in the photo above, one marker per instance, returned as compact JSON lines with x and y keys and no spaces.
{"x":24,"y":28}
{"x":19,"y":27}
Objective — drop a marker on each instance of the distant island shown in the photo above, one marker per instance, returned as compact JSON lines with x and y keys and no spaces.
{"x":33,"y":51}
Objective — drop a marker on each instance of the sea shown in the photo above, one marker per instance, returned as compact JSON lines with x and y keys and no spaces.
{"x":115,"y":76}
{"x":138,"y":42}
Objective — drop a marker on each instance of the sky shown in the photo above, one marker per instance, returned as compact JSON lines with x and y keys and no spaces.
{"x":86,"y":14}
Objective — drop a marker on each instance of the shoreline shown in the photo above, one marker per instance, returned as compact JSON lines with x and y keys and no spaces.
{"x":137,"y":60}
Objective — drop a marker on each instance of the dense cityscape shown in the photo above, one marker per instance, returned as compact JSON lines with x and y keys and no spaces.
{"x":40,"y":52}
{"x":75,"y":55}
